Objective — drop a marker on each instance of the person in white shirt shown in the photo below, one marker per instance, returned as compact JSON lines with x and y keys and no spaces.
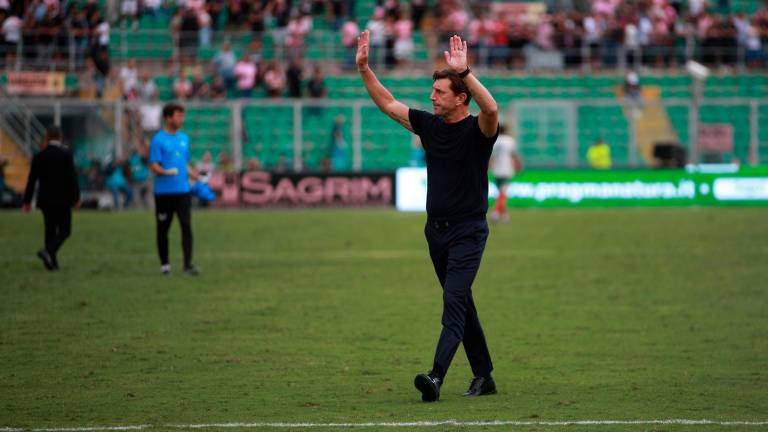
{"x":129,"y":78}
{"x":505,"y":164}
{"x":11,"y":32}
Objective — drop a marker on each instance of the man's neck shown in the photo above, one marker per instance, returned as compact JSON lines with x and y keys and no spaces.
{"x":456,"y":115}
{"x":171,"y":130}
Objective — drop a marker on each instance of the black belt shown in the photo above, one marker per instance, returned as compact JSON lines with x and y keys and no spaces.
{"x":439,"y":224}
{"x":447,"y":223}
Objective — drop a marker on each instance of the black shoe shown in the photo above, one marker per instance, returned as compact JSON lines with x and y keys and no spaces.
{"x":429,"y":386}
{"x":481,"y":386}
{"x":191,"y":271}
{"x":46,"y":257}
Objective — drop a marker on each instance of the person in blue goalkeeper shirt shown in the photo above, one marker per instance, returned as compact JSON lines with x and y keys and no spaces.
{"x":169,"y":161}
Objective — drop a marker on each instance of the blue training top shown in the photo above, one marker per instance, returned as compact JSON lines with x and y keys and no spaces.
{"x":170,"y":151}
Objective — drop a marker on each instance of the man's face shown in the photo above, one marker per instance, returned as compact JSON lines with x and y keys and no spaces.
{"x":443,"y":99}
{"x":177,"y":119}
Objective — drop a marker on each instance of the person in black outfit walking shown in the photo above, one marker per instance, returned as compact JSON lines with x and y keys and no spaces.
{"x":458,"y":147}
{"x":54,"y":169}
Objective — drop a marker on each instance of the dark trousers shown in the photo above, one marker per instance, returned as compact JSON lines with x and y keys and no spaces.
{"x":456,"y":251}
{"x":58,"y":226}
{"x":165,"y":207}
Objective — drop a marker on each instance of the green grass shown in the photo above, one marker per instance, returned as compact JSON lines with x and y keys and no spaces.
{"x":325,"y":316}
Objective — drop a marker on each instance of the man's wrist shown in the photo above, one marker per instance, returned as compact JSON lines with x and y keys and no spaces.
{"x":363,"y":70}
{"x":463,"y":74}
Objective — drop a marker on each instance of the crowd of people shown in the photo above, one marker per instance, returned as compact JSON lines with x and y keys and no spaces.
{"x":601,"y":33}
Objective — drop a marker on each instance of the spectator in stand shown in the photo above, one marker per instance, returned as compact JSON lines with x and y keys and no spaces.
{"x":218,"y":88}
{"x":204,"y":20}
{"x":226,"y":165}
{"x":316,"y":85}
{"x":117,"y":182}
{"x":545,"y":33}
{"x":152,"y":7}
{"x":418,"y":10}
{"x":377,"y":28}
{"x":281,"y":13}
{"x":147,"y":88}
{"x":567,"y":39}
{"x":480,"y":37}
{"x":182,"y":86}
{"x":90,"y":8}
{"x":631,"y":41}
{"x":200,"y":88}
{"x":760,"y":22}
{"x":335,"y":14}
{"x":246,"y":73}
{"x":187,"y":33}
{"x":138,"y":163}
{"x":47,"y":30}
{"x":297,"y":30}
{"x":206,"y":167}
{"x":254,"y":164}
{"x":86,"y":80}
{"x":235,"y":13}
{"x":78,"y":26}
{"x":129,"y":80}
{"x":754,"y":46}
{"x":99,"y":34}
{"x":593,"y":34}
{"x":404,"y":46}
{"x":454,"y":21}
{"x":224,"y":62}
{"x":391,"y":8}
{"x":389,"y":42}
{"x":256,"y":19}
{"x":293,"y":77}
{"x":661,"y":40}
{"x":150,"y":117}
{"x":129,"y":13}
{"x":274,"y":80}
{"x":507,"y":40}
{"x":316,"y":90}
{"x":349,"y":32}
{"x":255,"y":55}
{"x":10,"y":29}
{"x":101,"y":72}
{"x":195,"y":5}
{"x":214,"y":8}
{"x":338,"y":146}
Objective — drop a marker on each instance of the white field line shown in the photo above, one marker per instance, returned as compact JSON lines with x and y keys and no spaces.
{"x":457,"y":423}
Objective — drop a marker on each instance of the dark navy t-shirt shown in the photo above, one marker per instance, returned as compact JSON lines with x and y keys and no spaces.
{"x":457,"y":165}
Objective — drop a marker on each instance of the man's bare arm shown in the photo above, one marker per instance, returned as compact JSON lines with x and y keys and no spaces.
{"x":456,"y":58}
{"x":379,"y":94}
{"x":159,"y":170}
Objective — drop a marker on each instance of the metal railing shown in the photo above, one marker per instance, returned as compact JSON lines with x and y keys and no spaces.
{"x":326,"y":46}
{"x":299,"y":135}
{"x":20,"y":123}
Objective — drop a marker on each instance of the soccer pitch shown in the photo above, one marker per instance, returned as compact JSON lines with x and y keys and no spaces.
{"x":317,"y":319}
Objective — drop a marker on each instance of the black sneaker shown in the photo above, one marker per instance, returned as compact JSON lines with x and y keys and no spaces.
{"x":191,"y":271}
{"x":46,"y":258}
{"x":481,"y":386}
{"x":429,"y":386}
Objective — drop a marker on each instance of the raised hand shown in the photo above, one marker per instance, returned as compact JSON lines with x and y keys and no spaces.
{"x":363,"y":44}
{"x":457,"y":56}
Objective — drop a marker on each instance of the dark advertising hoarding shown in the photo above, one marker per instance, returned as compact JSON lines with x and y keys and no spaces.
{"x":266,"y":189}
